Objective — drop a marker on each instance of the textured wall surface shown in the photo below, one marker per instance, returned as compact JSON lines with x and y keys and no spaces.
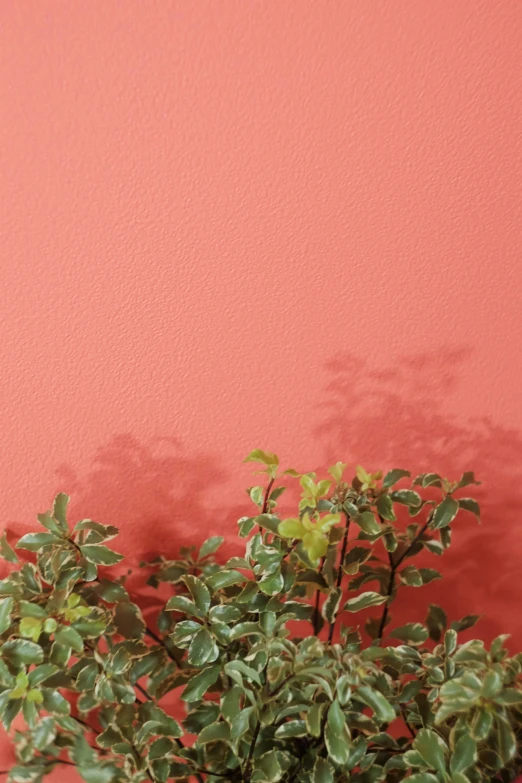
{"x":237,"y":224}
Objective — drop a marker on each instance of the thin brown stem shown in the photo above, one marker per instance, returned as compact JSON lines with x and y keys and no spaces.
{"x":248,"y":765}
{"x":160,"y":641}
{"x":281,"y":686}
{"x":340,"y":572}
{"x":142,"y":690}
{"x":267,"y":494}
{"x":394,"y":565}
{"x":408,"y":725}
{"x":316,"y":608}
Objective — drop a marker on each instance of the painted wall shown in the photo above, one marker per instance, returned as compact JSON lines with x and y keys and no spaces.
{"x":294,"y":226}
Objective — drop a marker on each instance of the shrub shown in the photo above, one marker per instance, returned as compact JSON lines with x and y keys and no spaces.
{"x":275,"y":685}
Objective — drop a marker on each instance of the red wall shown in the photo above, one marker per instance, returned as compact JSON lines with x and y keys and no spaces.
{"x":293,"y":226}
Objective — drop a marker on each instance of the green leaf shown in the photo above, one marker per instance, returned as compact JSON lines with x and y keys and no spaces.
{"x":223,"y":579}
{"x":198,"y":685}
{"x":331,"y":605}
{"x":267,"y":768}
{"x":509,"y":696}
{"x":364,"y":601}
{"x":367,"y":522}
{"x":22,"y":651}
{"x":203,"y":649}
{"x":429,"y":575}
{"x":432,"y":749}
{"x":90,"y":629}
{"x":385,"y":508}
{"x":272,"y":584}
{"x":210,"y":546}
{"x":411,"y":576}
{"x":268,"y":522}
{"x":408,"y":497}
{"x":179,"y":603}
{"x":450,"y":641}
{"x":30,"y":628}
{"x":336,"y":720}
{"x":338,"y":747}
{"x":323,"y":771}
{"x":431,"y":480}
{"x":47,"y":520}
{"x":60,"y":504}
{"x":105,"y":532}
{"x":36,"y":541}
{"x":411,"y":633}
{"x":100,"y":555}
{"x":30,"y":609}
{"x":10,"y":712}
{"x":393,"y":476}
{"x":467,"y":622}
{"x":240,"y":723}
{"x":69,"y":638}
{"x":54,"y":702}
{"x":481,"y":725}
{"x":266,"y":457}
{"x":507,"y":744}
{"x":238,"y":667}
{"x":468,"y":504}
{"x":445,"y":512}
{"x":314,"y":718}
{"x":225,"y":613}
{"x":199,"y":592}
{"x":214,"y":732}
{"x":41,"y":673}
{"x":97,"y":774}
{"x":436,"y":622}
{"x":6,"y":550}
{"x":464,"y":754}
{"x":467,"y":479}
{"x":129,"y":621}
{"x":291,"y":528}
{"x":87,"y":677}
{"x":382,"y":708}
{"x":6,"y":607}
{"x":292,"y":728}
{"x":44,"y":733}
{"x":246,"y":629}
{"x":422,"y":777}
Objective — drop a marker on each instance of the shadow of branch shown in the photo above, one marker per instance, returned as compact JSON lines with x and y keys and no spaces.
{"x":396,"y":416}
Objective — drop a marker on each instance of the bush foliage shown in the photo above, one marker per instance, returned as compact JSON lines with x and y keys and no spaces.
{"x":264,"y":650}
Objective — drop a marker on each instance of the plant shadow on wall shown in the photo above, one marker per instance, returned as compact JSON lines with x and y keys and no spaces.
{"x":160,"y":496}
{"x":394,"y":416}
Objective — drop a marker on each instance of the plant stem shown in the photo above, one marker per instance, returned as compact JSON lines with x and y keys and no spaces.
{"x":408,"y":726}
{"x":393,"y":570}
{"x":317,"y":595}
{"x":248,"y":764}
{"x":340,"y":570}
{"x":160,"y":641}
{"x":267,"y":493}
{"x":142,"y":690}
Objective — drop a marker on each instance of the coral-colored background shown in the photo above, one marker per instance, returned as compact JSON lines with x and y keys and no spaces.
{"x":294,"y":226}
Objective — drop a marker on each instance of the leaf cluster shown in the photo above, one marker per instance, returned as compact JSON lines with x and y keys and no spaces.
{"x":277,"y":681}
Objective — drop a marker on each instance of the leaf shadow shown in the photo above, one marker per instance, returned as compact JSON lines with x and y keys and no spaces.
{"x":397,"y":416}
{"x":160,"y":496}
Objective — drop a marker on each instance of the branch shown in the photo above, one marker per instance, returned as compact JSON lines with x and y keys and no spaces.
{"x":246,"y":774}
{"x":142,"y":690}
{"x":408,"y":726}
{"x":340,"y":569}
{"x":393,"y":571}
{"x":267,"y":493}
{"x":317,"y":595}
{"x":159,"y":640}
